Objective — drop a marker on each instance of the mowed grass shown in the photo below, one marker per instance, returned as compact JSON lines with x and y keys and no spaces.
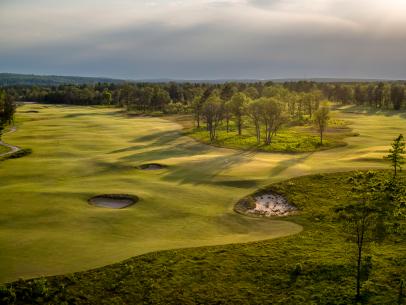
{"x":316,"y":266}
{"x":3,"y":149}
{"x":47,"y":227}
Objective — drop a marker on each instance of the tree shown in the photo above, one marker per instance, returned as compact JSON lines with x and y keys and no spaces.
{"x":396,"y":154}
{"x":227,"y":114}
{"x":321,"y":117}
{"x":107,"y":97}
{"x":397,"y":95}
{"x":7,"y":110}
{"x":360,"y":219}
{"x":197,"y":105}
{"x":238,"y":106}
{"x":251,"y":92}
{"x":272,"y":117}
{"x":254,"y":111}
{"x":213,"y":113}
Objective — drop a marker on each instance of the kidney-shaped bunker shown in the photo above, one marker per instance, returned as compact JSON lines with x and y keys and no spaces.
{"x":113,"y":201}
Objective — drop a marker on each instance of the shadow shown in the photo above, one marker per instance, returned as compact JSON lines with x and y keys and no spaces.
{"x":361,"y":110}
{"x":286,"y":164}
{"x":205,"y":171}
{"x":238,"y":183}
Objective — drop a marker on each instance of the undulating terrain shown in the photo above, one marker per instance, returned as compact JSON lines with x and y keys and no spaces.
{"x":47,"y":227}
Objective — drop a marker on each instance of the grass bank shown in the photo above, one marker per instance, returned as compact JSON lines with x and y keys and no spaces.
{"x":312,"y":267}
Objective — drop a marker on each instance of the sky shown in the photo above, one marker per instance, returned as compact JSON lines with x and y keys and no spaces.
{"x":205,"y":39}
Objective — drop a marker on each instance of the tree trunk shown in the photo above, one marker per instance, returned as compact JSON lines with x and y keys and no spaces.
{"x":321,"y":137}
{"x":359,"y":260}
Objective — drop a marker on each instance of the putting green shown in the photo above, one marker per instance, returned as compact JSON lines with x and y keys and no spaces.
{"x":47,"y":227}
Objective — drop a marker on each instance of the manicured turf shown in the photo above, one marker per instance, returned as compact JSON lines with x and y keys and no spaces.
{"x":312,"y":267}
{"x":3,"y":149}
{"x":47,"y":227}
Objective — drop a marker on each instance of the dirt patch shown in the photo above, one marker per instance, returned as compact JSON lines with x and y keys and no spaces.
{"x":113,"y":201}
{"x":152,"y":166}
{"x":266,"y":204}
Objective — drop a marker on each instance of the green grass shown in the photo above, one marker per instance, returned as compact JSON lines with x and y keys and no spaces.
{"x":3,"y":149}
{"x":47,"y":227}
{"x":289,"y":139}
{"x":312,"y":267}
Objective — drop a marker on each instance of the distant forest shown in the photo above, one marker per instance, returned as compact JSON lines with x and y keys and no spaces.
{"x":12,"y":79}
{"x":187,"y":97}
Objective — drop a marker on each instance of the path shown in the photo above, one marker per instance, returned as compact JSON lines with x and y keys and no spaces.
{"x":13,"y":148}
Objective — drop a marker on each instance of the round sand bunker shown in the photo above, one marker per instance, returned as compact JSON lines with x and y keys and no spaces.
{"x":151,"y":166}
{"x":113,"y":201}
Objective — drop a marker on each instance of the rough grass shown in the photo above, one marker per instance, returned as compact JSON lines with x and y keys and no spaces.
{"x":47,"y":227}
{"x":312,"y":267}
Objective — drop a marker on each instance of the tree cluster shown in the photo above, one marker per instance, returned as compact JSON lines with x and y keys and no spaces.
{"x":7,"y":109}
{"x":176,"y":97}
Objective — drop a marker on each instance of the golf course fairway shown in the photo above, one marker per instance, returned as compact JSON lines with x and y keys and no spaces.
{"x":47,"y":226}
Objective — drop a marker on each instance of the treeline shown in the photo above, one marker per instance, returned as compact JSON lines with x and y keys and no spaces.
{"x":7,"y":109}
{"x":174,"y":97}
{"x":14,"y":79}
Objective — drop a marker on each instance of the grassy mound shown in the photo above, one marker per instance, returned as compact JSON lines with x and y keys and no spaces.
{"x":312,"y":267}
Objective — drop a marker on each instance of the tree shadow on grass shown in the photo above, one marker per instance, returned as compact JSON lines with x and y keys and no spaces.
{"x":361,"y":110}
{"x":156,"y":139}
{"x":207,"y":170}
{"x":288,"y":163}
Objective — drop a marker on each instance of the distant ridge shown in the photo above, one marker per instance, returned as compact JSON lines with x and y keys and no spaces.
{"x":13,"y":79}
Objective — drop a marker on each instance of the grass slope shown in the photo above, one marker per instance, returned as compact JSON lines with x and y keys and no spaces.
{"x":47,"y":227}
{"x":312,"y":267}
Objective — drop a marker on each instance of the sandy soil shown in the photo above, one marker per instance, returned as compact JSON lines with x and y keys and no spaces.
{"x":151,"y":167}
{"x":272,"y":205}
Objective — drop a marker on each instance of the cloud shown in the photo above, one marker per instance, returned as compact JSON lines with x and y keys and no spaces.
{"x":205,"y":38}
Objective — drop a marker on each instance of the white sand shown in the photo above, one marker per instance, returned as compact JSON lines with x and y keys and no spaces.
{"x":272,"y":205}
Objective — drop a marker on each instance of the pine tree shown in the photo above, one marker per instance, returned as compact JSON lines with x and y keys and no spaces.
{"x":396,"y":154}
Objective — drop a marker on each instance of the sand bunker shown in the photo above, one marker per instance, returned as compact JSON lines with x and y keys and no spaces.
{"x":113,"y":201}
{"x":271,"y":205}
{"x":151,"y":166}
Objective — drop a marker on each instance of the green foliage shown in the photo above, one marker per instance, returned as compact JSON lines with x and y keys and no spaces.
{"x":321,"y":118}
{"x":396,"y":154}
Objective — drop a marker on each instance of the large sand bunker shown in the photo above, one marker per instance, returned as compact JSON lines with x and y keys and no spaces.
{"x":272,"y":205}
{"x":113,"y":201}
{"x":265,"y":204}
